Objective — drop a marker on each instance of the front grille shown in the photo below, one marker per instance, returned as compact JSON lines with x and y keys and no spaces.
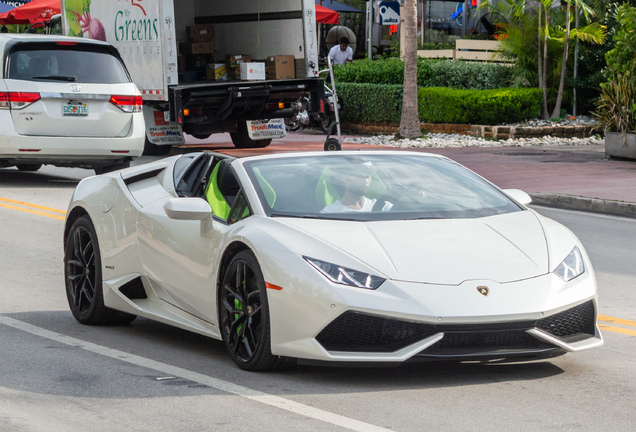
{"x":571,"y":324}
{"x":485,"y":342}
{"x":359,"y":332}
{"x":134,"y":289}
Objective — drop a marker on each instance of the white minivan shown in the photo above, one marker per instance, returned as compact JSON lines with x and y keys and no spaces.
{"x":67,"y":102}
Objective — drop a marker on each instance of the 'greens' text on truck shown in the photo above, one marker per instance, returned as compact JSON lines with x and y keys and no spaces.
{"x":210,"y":66}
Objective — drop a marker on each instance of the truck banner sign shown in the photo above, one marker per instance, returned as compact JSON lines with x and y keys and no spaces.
{"x":159,"y":130}
{"x":265,"y":129}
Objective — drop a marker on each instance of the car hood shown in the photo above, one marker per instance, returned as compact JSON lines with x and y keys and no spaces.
{"x":500,"y":248}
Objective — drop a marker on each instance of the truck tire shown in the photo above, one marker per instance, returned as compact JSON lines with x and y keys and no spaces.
{"x":241,"y":138}
{"x":151,"y":149}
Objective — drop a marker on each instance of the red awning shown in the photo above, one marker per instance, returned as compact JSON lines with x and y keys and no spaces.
{"x":326,"y":16}
{"x":36,"y":11}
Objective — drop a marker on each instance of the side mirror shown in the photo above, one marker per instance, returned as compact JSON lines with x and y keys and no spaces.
{"x":518,"y":195}
{"x":188,"y":209}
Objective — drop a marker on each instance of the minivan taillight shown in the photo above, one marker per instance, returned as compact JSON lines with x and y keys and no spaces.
{"x":130,"y":104}
{"x":17,"y":100}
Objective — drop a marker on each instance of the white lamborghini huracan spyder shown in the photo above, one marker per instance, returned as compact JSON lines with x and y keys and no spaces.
{"x":365,"y":256}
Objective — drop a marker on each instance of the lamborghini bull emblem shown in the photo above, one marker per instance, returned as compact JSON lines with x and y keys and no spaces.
{"x":483,"y":290}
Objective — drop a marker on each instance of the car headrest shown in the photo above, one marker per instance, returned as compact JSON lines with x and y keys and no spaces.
{"x":226,"y":180}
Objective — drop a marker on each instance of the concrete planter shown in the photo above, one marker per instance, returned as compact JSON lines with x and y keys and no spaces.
{"x":614,"y":146}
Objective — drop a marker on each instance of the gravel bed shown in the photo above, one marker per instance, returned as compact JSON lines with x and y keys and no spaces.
{"x":438,"y":140}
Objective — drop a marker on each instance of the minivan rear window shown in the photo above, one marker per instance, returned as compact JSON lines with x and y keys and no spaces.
{"x":82,"y":63}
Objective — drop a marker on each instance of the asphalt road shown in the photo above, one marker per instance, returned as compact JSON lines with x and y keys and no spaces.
{"x":58,"y":375}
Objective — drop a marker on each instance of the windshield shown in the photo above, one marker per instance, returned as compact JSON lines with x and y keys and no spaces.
{"x":371,"y":187}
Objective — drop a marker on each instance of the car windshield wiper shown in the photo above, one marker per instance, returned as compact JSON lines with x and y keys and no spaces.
{"x":56,"y":78}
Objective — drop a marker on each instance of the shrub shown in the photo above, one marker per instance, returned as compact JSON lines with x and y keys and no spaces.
{"x":486,"y":107}
{"x":364,"y":103}
{"x":430,"y":73}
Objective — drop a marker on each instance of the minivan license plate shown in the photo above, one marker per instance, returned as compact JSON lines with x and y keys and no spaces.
{"x":75,"y":109}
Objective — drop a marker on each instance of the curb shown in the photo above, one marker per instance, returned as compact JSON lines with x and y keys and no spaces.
{"x":591,"y":205}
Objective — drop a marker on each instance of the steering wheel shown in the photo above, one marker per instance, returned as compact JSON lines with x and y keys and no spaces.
{"x":393,"y":196}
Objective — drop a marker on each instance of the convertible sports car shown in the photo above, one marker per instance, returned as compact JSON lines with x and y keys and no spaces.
{"x":365,"y":256}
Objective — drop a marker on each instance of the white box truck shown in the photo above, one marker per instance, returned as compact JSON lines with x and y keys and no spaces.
{"x":167,"y":43}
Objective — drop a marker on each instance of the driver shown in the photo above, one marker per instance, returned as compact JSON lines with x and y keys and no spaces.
{"x":357,"y":179}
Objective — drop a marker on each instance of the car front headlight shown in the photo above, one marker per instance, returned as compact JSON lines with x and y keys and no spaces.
{"x":345,"y":276}
{"x":572,"y":266}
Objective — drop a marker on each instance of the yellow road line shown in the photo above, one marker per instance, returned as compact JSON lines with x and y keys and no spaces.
{"x":613,"y":320}
{"x":26,"y":204}
{"x":32,"y":208}
{"x":621,"y":330}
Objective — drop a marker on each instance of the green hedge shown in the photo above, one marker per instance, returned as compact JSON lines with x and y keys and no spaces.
{"x":485,"y":107}
{"x":430,"y":73}
{"x":365,"y":103}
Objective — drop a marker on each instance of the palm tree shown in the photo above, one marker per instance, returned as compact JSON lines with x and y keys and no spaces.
{"x":592,"y":33}
{"x":410,"y":122}
{"x":543,"y":17}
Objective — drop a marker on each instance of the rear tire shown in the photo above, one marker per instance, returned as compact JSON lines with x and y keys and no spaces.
{"x":151,"y":149}
{"x":113,"y":167}
{"x":83,"y":277}
{"x":29,"y":167}
{"x":241,"y":138}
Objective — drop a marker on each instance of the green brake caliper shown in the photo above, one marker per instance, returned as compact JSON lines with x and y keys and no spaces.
{"x":238,"y":306}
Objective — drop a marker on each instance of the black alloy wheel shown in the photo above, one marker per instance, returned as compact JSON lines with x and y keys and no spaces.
{"x":244,"y":315}
{"x":83,"y":276}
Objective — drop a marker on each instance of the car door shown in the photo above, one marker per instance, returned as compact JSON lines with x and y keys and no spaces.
{"x":180,"y":256}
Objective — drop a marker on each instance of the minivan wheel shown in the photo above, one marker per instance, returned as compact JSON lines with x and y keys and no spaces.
{"x":114,"y":167}
{"x":29,"y":167}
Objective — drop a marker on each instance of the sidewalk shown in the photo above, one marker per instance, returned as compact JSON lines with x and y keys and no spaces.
{"x":570,"y":177}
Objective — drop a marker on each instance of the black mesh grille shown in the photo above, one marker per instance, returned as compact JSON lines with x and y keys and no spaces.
{"x":357,"y":332}
{"x":134,"y":289}
{"x":570,"y":324}
{"x":483,"y":342}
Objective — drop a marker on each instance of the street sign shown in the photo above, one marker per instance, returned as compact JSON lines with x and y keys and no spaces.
{"x":389,"y":12}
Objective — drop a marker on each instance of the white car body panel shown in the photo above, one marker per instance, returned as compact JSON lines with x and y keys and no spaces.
{"x":433,"y":273}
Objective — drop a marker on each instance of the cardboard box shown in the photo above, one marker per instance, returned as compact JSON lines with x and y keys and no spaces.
{"x":237,"y":59}
{"x":280,"y":67}
{"x":202,"y":48}
{"x":252,"y":71}
{"x":200,"y":31}
{"x":217,"y":71}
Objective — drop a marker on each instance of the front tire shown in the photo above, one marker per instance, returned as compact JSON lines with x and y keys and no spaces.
{"x":244,"y":315}
{"x":83,"y":276}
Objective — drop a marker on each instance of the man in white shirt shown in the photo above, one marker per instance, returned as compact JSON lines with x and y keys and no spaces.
{"x":341,"y":54}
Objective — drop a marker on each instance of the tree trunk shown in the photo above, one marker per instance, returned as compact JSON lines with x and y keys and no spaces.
{"x":544,"y":108}
{"x":564,"y":63}
{"x":545,"y":64}
{"x":410,"y":122}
